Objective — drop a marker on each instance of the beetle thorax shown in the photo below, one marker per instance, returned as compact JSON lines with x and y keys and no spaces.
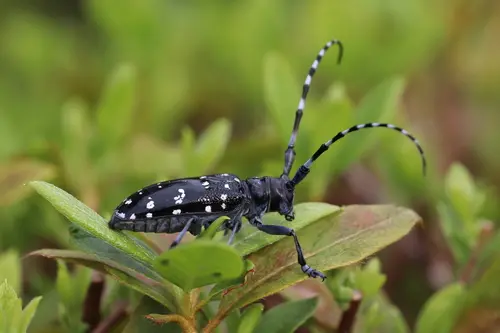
{"x":271,"y":194}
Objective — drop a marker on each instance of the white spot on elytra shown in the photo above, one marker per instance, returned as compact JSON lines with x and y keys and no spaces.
{"x":208,"y":209}
{"x":140,"y":192}
{"x":227,"y":186}
{"x":225,"y":174}
{"x":176,"y":211}
{"x":120,"y":214}
{"x":159,"y":186}
{"x":149,"y":215}
{"x":150,"y":198}
{"x":223,"y":205}
{"x":223,"y":197}
{"x":203,"y":177}
{"x":205,"y":183}
{"x":150,"y":205}
{"x":128,"y":202}
{"x":181,"y":190}
{"x":236,"y":179}
{"x":132,"y":217}
{"x":178,"y":202}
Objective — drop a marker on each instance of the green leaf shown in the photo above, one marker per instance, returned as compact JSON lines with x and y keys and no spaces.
{"x":279,"y":85}
{"x":210,"y":232}
{"x":233,"y":320}
{"x":332,"y":241}
{"x":72,"y":288}
{"x":91,"y":222}
{"x":145,"y":285}
{"x":139,"y":323}
{"x":250,"y":239}
{"x":12,"y":317}
{"x":250,"y":317}
{"x":369,"y":280}
{"x":287,"y":317}
{"x":199,"y":263}
{"x":379,"y":105}
{"x":114,"y":114}
{"x":10,"y":269}
{"x":28,"y":314}
{"x":211,"y":145}
{"x":441,"y":311}
{"x":379,"y":316}
{"x":228,"y":285}
{"x":14,"y":176}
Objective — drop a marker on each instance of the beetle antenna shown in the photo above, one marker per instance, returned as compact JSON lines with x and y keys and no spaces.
{"x":290,"y":151}
{"x":305,"y":168}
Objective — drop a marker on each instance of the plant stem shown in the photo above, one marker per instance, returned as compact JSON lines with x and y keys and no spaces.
{"x":347,"y":321}
{"x":185,"y":324}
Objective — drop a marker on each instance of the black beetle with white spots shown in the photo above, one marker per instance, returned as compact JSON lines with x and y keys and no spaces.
{"x":191,"y":204}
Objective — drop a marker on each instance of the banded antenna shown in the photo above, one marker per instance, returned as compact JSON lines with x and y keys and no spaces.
{"x":290,"y":151}
{"x":306,"y":167}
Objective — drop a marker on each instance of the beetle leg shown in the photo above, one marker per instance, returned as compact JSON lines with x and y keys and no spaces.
{"x":182,"y":233}
{"x":285,"y":231}
{"x":236,"y":227}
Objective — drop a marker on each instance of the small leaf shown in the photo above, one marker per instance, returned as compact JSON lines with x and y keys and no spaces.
{"x":28,"y":314}
{"x":91,"y":222}
{"x":332,"y":241}
{"x":441,"y":311}
{"x":287,"y":317}
{"x":199,"y":263}
{"x":10,"y":269}
{"x":212,"y":144}
{"x":369,"y":280}
{"x":14,"y":176}
{"x":12,"y":317}
{"x":210,"y":232}
{"x":114,"y":114}
{"x":250,"y":317}
{"x":226,"y":286}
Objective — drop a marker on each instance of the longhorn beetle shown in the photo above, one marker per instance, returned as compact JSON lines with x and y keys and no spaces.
{"x":189,"y":204}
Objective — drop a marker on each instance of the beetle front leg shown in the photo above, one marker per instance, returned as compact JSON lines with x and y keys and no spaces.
{"x":285,"y":231}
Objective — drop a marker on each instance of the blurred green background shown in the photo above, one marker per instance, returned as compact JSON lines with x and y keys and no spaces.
{"x":104,"y":97}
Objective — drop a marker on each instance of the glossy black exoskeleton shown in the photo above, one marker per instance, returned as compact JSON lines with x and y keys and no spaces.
{"x":191,"y":204}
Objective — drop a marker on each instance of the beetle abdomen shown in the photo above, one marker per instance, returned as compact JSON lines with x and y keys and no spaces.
{"x":159,"y":225}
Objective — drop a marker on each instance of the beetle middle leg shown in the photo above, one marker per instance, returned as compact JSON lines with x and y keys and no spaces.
{"x":236,"y":226}
{"x":285,"y":231}
{"x":182,"y":233}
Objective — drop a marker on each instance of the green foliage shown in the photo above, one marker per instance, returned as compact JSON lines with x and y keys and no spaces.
{"x":287,"y":317}
{"x":358,"y":231}
{"x":13,"y":318}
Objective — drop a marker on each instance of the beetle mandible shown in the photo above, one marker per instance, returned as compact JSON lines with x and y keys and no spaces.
{"x":190,"y":204}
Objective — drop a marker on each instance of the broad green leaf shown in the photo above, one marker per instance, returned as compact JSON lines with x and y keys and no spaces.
{"x":250,"y":318}
{"x":14,"y":176}
{"x":114,"y":114}
{"x":287,"y":317}
{"x":379,"y":105}
{"x":10,"y":269}
{"x":210,"y":232}
{"x":330,"y":242}
{"x":211,"y":145}
{"x":147,"y":286}
{"x":279,"y":85}
{"x":199,"y":263}
{"x":90,"y":244}
{"x":441,"y":311}
{"x":250,"y":239}
{"x":462,"y":193}
{"x":91,"y":222}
